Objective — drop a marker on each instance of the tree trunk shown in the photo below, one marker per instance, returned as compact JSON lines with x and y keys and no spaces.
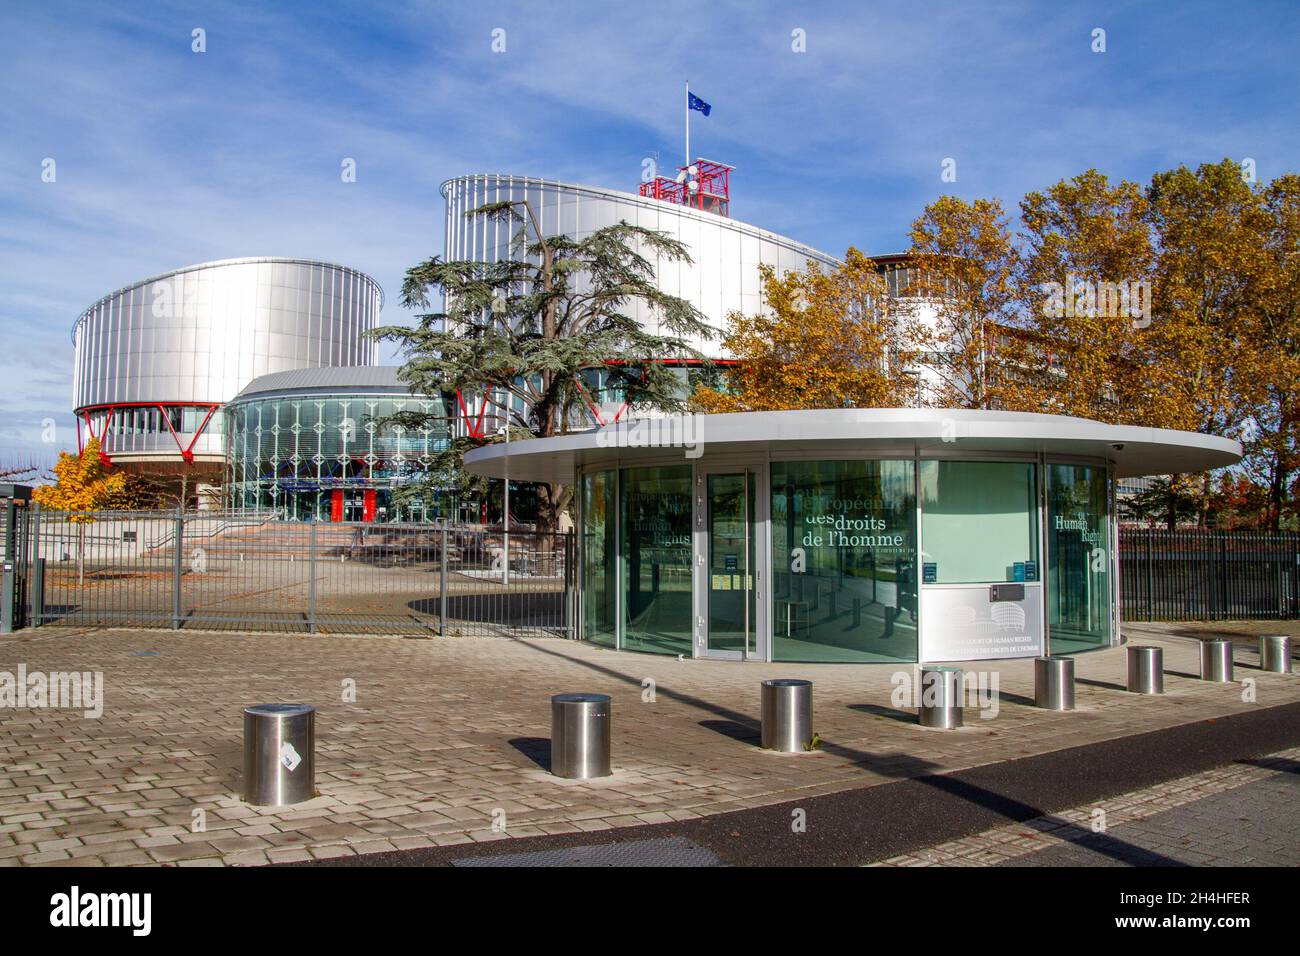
{"x":1276,"y":496}
{"x":1171,"y":505}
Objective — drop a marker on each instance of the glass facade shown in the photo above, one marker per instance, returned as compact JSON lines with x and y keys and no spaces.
{"x":979,"y":522}
{"x":843,"y":553}
{"x":729,"y":498}
{"x":861,"y":552}
{"x":1078,"y":558}
{"x":599,"y":551}
{"x":655,"y":542}
{"x":326,"y":456}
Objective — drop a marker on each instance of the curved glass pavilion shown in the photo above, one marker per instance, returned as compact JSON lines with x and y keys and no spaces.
{"x":313,"y":444}
{"x":877,"y":535}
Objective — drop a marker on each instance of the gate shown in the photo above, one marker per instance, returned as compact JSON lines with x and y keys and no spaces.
{"x":210,"y":570}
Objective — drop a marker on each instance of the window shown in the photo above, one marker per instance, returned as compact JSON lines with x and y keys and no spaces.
{"x":599,"y":554}
{"x":978,"y":522}
{"x":655,"y":541}
{"x":843,"y":560}
{"x":1078,"y":558}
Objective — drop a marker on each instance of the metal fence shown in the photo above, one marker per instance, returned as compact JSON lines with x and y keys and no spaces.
{"x":233,"y":571}
{"x":230,"y":571}
{"x":1203,"y":575}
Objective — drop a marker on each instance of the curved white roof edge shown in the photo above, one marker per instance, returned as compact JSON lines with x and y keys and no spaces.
{"x":655,"y":204}
{"x":246,"y":260}
{"x":324,"y":378}
{"x":1134,"y":450}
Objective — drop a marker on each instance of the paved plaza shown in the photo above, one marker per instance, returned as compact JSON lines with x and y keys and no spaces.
{"x":446,"y":736}
{"x":1238,"y":815}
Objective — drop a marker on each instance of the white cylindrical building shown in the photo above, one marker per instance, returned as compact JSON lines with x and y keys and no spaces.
{"x":721,"y":277}
{"x":155,"y":360}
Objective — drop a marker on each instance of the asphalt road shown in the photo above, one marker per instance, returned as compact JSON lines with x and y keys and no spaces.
{"x":873,"y":823}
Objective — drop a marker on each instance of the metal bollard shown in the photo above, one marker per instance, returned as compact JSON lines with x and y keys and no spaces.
{"x":940,"y":706}
{"x":580,"y":736}
{"x":1216,"y":661}
{"x":1146,"y":669}
{"x":1275,"y":653}
{"x":279,"y":754}
{"x":786,"y":707}
{"x":1054,"y":683}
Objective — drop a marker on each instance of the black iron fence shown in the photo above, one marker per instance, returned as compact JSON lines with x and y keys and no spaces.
{"x":1204,"y":575}
{"x":230,"y":571}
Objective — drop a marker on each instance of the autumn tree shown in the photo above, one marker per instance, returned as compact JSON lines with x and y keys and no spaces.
{"x":967,"y":255}
{"x":1269,"y":351}
{"x":1084,"y":292}
{"x":1208,"y":227}
{"x":83,"y":486}
{"x":1237,"y":502}
{"x":825,"y":339}
{"x":139,"y":492}
{"x":1175,"y":306}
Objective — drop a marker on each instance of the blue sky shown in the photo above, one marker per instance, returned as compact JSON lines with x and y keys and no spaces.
{"x":166,"y":157}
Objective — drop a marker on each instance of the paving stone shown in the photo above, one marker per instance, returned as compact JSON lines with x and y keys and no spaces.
{"x":398,"y":768}
{"x":1229,"y":816}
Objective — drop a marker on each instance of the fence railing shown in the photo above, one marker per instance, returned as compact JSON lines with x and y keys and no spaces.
{"x":229,"y":573}
{"x":1204,"y":575}
{"x":126,"y":568}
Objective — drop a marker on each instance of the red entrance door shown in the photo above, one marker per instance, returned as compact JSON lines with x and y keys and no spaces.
{"x":368,"y":506}
{"x":336,"y":505}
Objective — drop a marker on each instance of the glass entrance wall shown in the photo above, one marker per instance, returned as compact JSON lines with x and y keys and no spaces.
{"x":1078,"y":558}
{"x":843,"y":560}
{"x":847,"y":582}
{"x":599,"y":553}
{"x":729,"y":500}
{"x":655,"y":545}
{"x":288,"y":454}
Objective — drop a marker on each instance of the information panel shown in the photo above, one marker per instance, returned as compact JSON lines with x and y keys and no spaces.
{"x":963,"y":623}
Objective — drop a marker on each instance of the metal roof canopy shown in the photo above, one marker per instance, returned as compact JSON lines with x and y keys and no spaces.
{"x":339,"y":379}
{"x":1134,"y":450}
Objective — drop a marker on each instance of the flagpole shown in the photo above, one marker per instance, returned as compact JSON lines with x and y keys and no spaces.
{"x":688,"y":122}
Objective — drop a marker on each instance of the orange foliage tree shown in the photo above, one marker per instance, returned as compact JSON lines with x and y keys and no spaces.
{"x":83,"y":486}
{"x":826,"y":339}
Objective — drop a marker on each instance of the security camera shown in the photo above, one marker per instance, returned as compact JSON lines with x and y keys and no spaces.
{"x":1118,"y":446}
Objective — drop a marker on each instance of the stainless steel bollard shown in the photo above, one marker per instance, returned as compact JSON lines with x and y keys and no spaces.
{"x":580,"y":736}
{"x":1054,"y":683}
{"x":786,"y":706}
{"x":1146,"y":669}
{"x":1216,"y":661}
{"x":1275,"y":653}
{"x":279,"y":754}
{"x":940,"y":705}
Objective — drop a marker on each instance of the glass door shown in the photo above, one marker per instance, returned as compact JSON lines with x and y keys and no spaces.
{"x":731,"y":573}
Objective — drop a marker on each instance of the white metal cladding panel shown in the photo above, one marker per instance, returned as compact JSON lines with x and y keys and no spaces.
{"x":722,"y":277}
{"x":200,"y":334}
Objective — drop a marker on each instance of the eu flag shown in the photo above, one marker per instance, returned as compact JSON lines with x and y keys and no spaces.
{"x":695,"y":103}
